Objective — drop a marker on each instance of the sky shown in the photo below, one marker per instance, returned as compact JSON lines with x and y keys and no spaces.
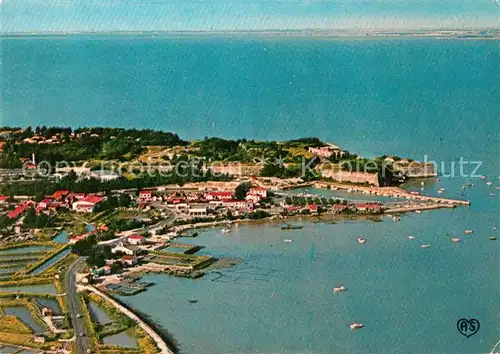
{"x":204,"y":15}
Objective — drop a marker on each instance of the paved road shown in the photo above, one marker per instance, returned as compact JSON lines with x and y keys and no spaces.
{"x":79,"y":324}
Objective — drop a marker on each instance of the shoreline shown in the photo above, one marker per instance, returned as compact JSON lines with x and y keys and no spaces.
{"x":487,"y":33}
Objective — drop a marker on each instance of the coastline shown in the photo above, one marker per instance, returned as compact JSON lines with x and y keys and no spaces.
{"x":487,"y":33}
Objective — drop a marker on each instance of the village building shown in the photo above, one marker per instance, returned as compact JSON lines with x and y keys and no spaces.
{"x":262,"y":192}
{"x":369,"y":207}
{"x":136,"y":240}
{"x":87,"y":204}
{"x":218,"y":196}
{"x":46,"y":312}
{"x":120,"y":248}
{"x":3,"y":199}
{"x":145,"y":196}
{"x":128,"y":260}
{"x":197,"y":210}
{"x":254,"y":198}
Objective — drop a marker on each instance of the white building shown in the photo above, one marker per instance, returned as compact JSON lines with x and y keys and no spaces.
{"x":87,"y":205}
{"x":198,"y":210}
{"x":136,"y":240}
{"x":122,"y":249}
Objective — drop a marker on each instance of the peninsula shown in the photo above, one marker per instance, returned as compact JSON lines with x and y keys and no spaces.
{"x":85,"y":212}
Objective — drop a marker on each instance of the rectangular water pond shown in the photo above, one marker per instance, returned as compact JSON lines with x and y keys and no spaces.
{"x":98,"y":315}
{"x":24,"y":250}
{"x":123,"y":339}
{"x":10,"y":270}
{"x":36,"y":289}
{"x":25,"y":316}
{"x":51,"y":261}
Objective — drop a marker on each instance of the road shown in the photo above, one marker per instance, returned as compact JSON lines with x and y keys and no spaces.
{"x":79,"y":324}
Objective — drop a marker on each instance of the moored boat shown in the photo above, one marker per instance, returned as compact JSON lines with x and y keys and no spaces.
{"x":492,"y":238}
{"x":339,"y":289}
{"x":411,"y":237}
{"x":468,"y":231}
{"x":291,"y":227}
{"x":356,"y":325}
{"x":425,"y":246}
{"x":361,"y":240}
{"x":455,"y":239}
{"x":288,"y":241}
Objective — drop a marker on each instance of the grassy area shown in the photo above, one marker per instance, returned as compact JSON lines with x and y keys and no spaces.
{"x":13,"y":324}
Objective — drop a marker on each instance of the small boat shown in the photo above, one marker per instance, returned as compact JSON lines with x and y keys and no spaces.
{"x":361,"y":240}
{"x":418,"y":211}
{"x":339,"y":289}
{"x":489,"y":183}
{"x":492,"y":238}
{"x":287,"y":241}
{"x":356,"y":325}
{"x":425,"y":246}
{"x":455,"y":239}
{"x":291,"y":227}
{"x":226,"y":231}
{"x":467,"y":232}
{"x":492,"y":194}
{"x":483,"y":177}
{"x":193,"y":301}
{"x":411,"y":237}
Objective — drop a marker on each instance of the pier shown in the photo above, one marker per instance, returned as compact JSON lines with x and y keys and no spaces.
{"x":392,"y":192}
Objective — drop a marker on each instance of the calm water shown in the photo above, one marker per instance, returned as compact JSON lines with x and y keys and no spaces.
{"x":405,"y":97}
{"x":23,"y":250}
{"x":36,"y":289}
{"x":123,"y":339}
{"x":52,"y":261}
{"x":98,"y":314}
{"x":25,"y":316}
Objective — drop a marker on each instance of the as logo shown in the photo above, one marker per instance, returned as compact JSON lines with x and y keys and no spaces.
{"x":468,"y":327}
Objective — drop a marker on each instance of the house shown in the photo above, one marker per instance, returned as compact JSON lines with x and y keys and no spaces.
{"x":197,"y":210}
{"x":59,"y":195}
{"x":145,"y":196}
{"x":262,"y":192}
{"x":369,"y":207}
{"x":75,"y":196}
{"x":3,"y":199}
{"x":254,"y":198}
{"x":218,"y":195}
{"x":46,"y":312}
{"x":129,"y":260}
{"x":120,"y":248}
{"x":313,"y":208}
{"x":38,"y":338}
{"x":87,"y":204}
{"x":44,"y":204}
{"x":136,"y":240}
{"x":235,"y":204}
{"x":75,"y":239}
{"x":106,"y":270}
{"x":14,"y":214}
{"x":325,"y":151}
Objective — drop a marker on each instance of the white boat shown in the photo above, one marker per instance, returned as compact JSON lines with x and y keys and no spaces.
{"x":418,"y":211}
{"x":483,"y":177}
{"x":339,"y":289}
{"x":411,"y":237}
{"x":356,"y":325}
{"x":361,"y":240}
{"x":455,"y":239}
{"x":468,"y":232}
{"x":489,"y":183}
{"x":425,"y":246}
{"x":288,"y":241}
{"x":226,"y":231}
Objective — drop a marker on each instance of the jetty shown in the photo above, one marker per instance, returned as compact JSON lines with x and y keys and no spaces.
{"x":414,"y":207}
{"x":392,"y":192}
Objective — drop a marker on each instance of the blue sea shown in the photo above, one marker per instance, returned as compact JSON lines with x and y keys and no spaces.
{"x":410,"y":97}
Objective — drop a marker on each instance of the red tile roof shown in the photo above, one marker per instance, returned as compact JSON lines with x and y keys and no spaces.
{"x":136,"y":237}
{"x":127,"y":257}
{"x":3,"y":197}
{"x":94,"y":199}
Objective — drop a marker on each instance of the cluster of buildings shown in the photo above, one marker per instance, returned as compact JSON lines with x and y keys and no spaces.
{"x":196,"y":204}
{"x":62,"y":199}
{"x":364,"y":208}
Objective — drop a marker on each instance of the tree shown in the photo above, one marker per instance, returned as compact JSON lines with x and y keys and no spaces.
{"x":241,"y":191}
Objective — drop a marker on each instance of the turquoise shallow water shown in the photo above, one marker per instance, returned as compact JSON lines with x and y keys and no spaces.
{"x":409,"y":97}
